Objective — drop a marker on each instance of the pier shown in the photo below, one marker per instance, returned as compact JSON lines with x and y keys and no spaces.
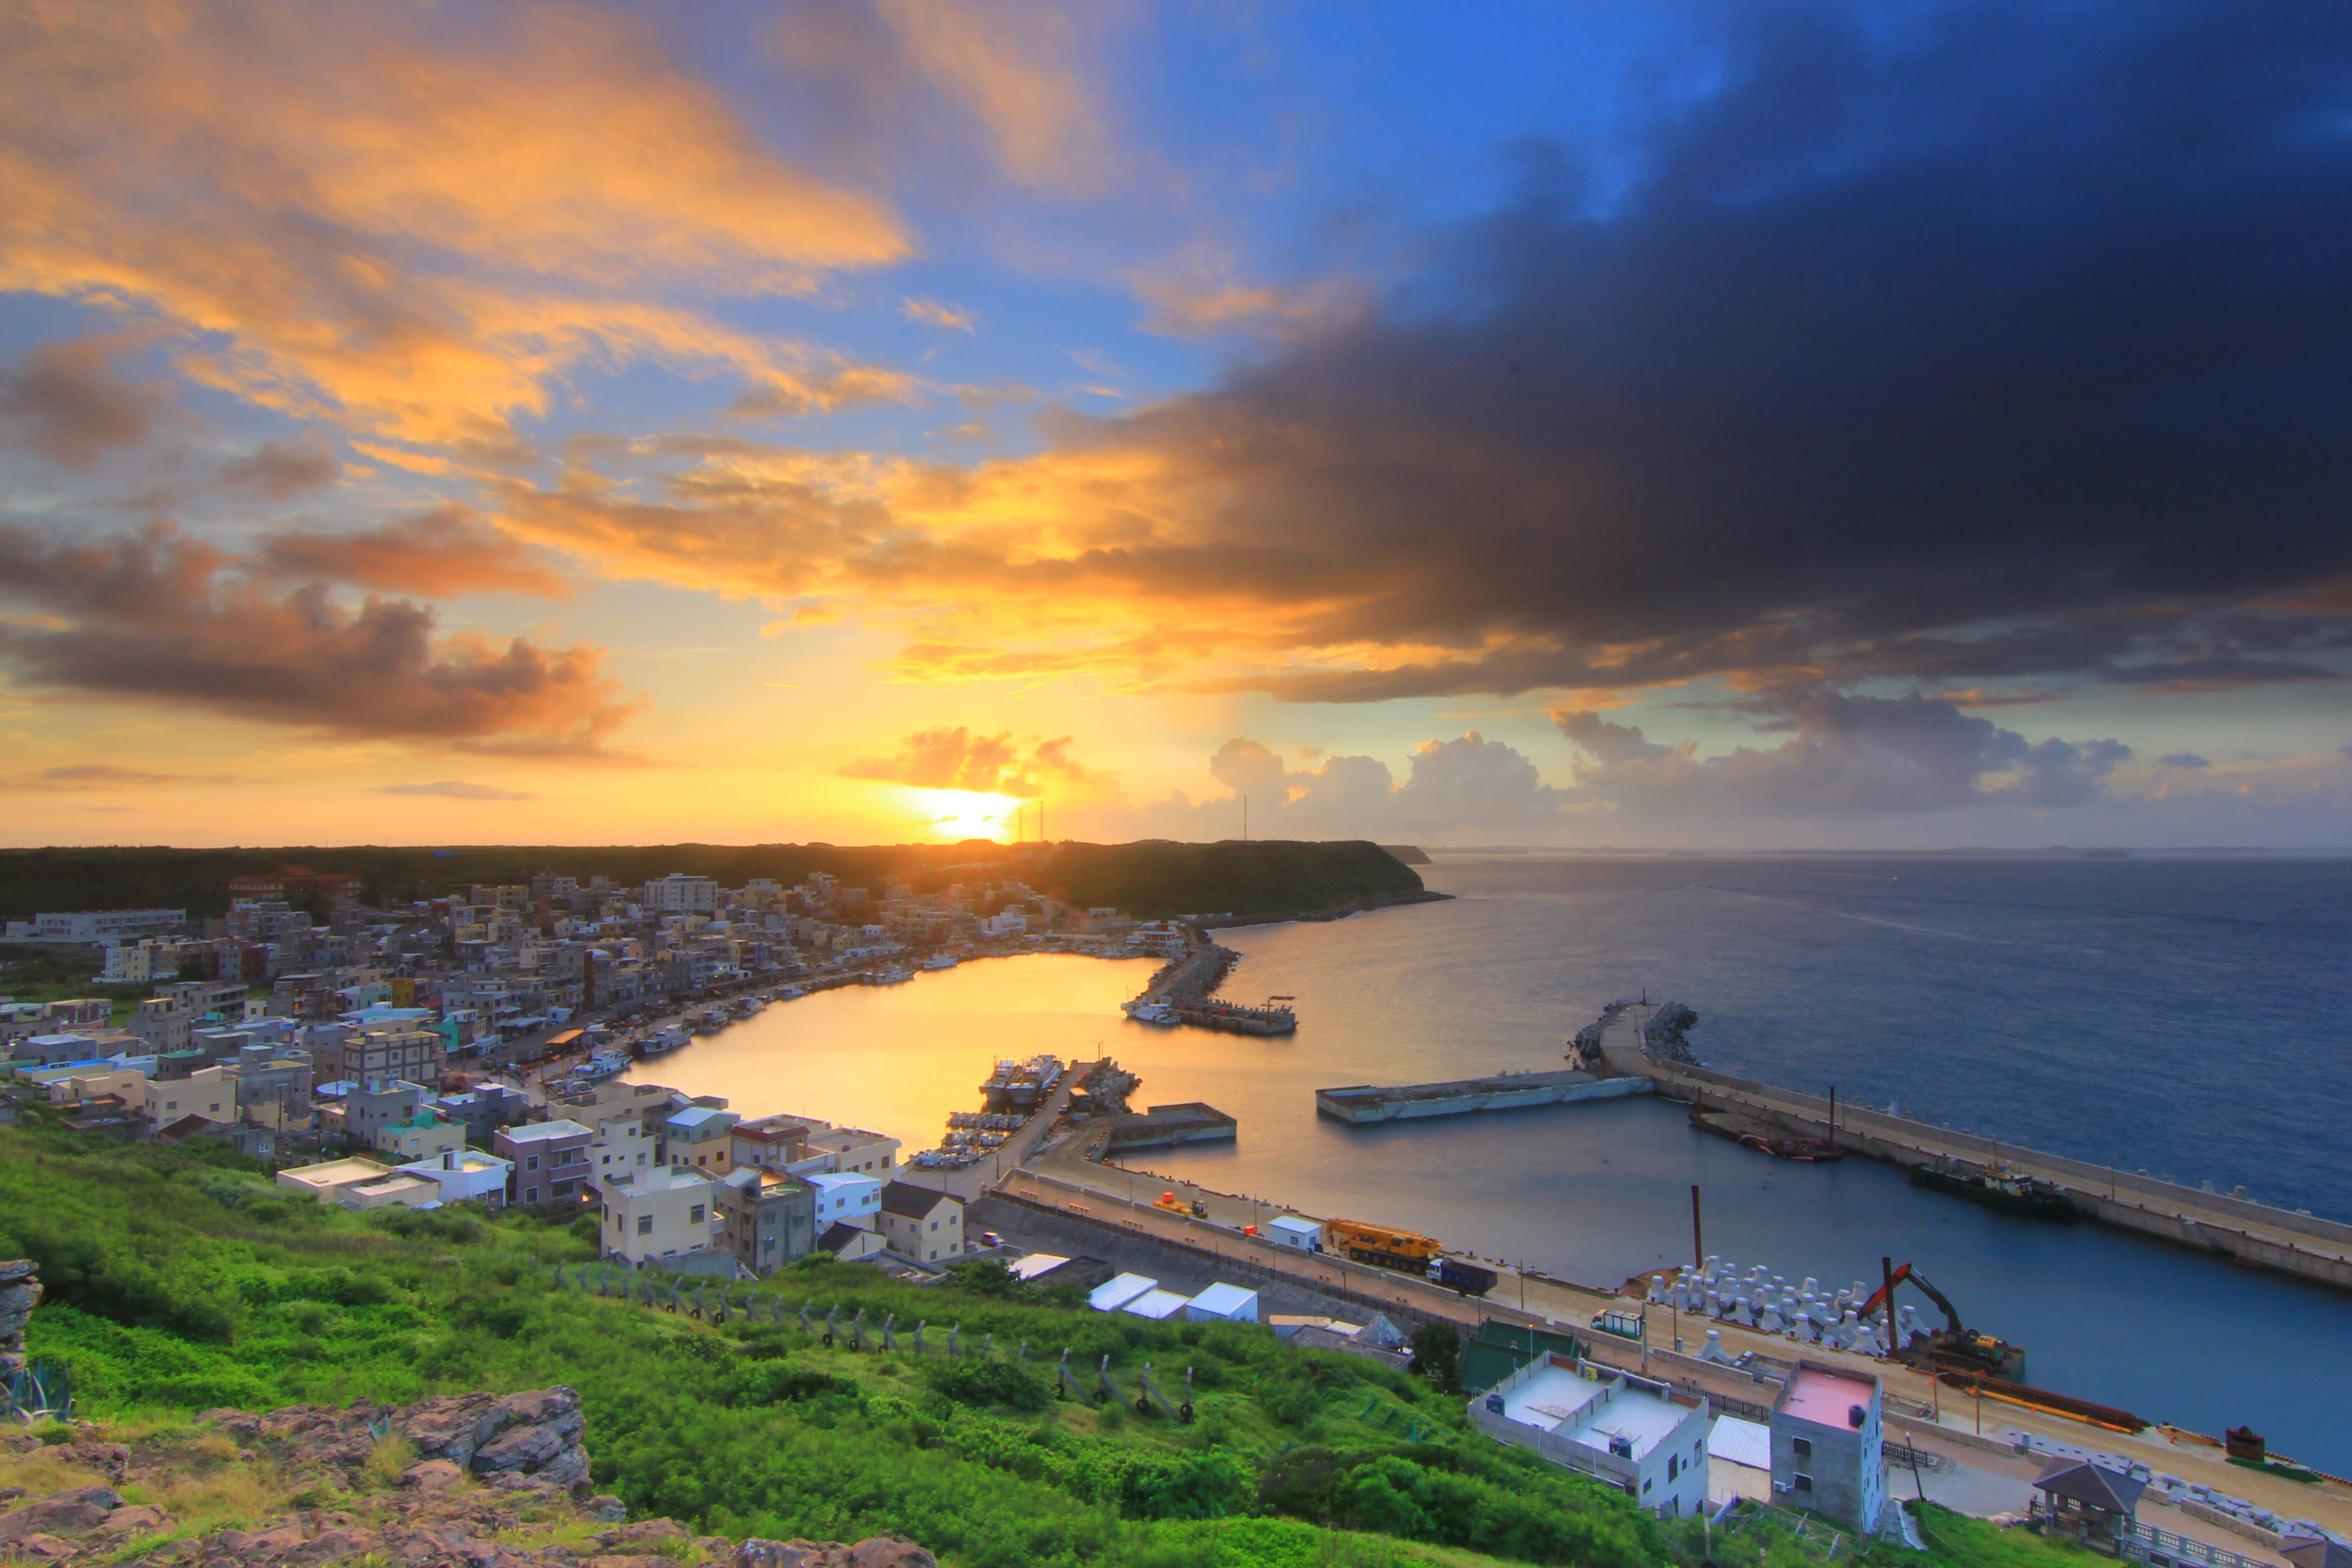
{"x":2252,"y":1234}
{"x":1166,"y":1126}
{"x":1362,"y":1104}
{"x":1184,"y":992}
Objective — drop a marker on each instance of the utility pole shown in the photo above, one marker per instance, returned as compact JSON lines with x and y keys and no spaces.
{"x":1244,"y":819}
{"x":1699,"y":1242}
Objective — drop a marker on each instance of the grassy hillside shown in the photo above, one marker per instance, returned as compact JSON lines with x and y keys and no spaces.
{"x":177,"y":1284}
{"x":1150,"y":878}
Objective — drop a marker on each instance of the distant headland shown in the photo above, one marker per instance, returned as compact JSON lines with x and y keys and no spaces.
{"x":1155,"y":879}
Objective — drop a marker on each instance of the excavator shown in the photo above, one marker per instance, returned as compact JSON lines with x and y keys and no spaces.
{"x":1953,"y":1348}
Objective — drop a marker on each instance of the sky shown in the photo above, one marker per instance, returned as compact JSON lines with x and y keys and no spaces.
{"x":1741,"y":426}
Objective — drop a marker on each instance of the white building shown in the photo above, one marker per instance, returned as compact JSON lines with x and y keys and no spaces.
{"x":679,"y":894}
{"x":662,"y":1215}
{"x":921,"y":1223}
{"x":846,"y":1199}
{"x":1827,"y":1443}
{"x":1113,"y":1294}
{"x":1626,"y":1432}
{"x":1223,"y":1303}
{"x":465,"y":1176}
{"x":620,"y":1149}
{"x":108,"y":925}
{"x":1301,"y":1235}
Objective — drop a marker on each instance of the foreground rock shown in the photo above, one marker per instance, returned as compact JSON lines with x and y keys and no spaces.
{"x":484,"y":1481}
{"x":19,"y":1293}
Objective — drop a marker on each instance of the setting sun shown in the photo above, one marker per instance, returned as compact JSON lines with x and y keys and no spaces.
{"x":953,"y":814}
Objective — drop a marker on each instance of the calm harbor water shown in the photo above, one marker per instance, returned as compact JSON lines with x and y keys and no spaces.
{"x":2184,"y":1016}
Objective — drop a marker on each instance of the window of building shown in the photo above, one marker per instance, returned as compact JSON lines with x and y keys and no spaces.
{"x":645,"y":1225}
{"x":1674,"y":1465}
{"x":1801,"y":1484}
{"x":1802,"y":1447}
{"x":695,"y":1216}
{"x":530,"y":1162}
{"x":531,"y":1195}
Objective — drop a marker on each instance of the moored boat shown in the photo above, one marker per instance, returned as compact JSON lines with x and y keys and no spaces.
{"x":1996,"y":1189}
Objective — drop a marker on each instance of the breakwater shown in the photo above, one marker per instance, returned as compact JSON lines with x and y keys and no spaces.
{"x":1183,"y":992}
{"x":1166,"y":1126}
{"x":1364,"y":1103}
{"x":2252,"y":1234}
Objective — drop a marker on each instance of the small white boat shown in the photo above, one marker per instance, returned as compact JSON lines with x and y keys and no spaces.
{"x":939,"y":960}
{"x":1156,"y":1013}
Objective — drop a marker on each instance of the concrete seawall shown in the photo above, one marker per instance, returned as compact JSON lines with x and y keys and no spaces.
{"x":1362,"y":1104}
{"x":2253,"y":1234}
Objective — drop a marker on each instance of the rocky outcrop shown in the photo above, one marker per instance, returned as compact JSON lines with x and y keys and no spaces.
{"x":531,"y":1441}
{"x":488,"y":1474}
{"x":20,"y":1292}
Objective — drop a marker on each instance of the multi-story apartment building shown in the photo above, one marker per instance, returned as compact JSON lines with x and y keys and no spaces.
{"x":551,"y":1160}
{"x":701,"y":1138}
{"x":679,"y":894}
{"x":357,"y":1056}
{"x":766,"y":1218}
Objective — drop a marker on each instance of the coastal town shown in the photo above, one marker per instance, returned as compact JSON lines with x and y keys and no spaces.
{"x":463,"y":1050}
{"x":468,"y":1052}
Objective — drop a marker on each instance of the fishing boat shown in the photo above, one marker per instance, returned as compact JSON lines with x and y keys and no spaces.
{"x":661,"y":1042}
{"x":601,"y":1067}
{"x":939,"y":960}
{"x":1996,"y":1189}
{"x":1156,"y":1013}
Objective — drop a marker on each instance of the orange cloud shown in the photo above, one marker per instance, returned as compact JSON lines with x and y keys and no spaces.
{"x":987,"y":764}
{"x":442,"y":551}
{"x":149,"y":617}
{"x":409,"y":218}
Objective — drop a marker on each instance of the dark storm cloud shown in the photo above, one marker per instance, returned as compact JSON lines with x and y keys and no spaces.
{"x":155,"y":617}
{"x":2016,"y":345}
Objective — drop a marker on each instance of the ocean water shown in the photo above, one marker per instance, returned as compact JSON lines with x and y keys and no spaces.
{"x":2185,"y":1015}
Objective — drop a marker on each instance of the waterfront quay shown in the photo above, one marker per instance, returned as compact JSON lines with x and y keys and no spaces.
{"x":1365,"y":1103}
{"x":2251,"y":1234}
{"x":1971,"y":1445}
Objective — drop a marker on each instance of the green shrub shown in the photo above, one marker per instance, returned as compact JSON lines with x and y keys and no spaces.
{"x":973,"y":1380}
